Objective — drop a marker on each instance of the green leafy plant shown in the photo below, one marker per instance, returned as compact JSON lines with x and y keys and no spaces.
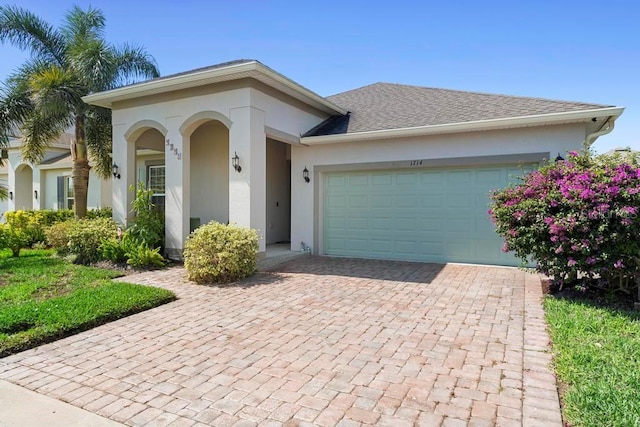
{"x":219,"y":253}
{"x":148,"y":225}
{"x":114,"y":250}
{"x":86,"y":237}
{"x":141,"y":256}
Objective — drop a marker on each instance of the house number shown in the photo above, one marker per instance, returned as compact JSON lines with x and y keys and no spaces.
{"x":415,"y":163}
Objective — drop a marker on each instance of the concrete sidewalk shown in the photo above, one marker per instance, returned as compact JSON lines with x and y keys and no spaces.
{"x":20,"y":407}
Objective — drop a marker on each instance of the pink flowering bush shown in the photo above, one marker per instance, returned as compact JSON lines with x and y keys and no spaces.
{"x":576,"y":218}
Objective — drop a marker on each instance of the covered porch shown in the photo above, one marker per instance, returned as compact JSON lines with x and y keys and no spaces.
{"x":211,"y":170}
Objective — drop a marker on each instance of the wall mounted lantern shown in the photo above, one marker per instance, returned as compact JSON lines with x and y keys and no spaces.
{"x":305,"y":174}
{"x":235,"y":161}
{"x":35,"y":194}
{"x":559,"y":158}
{"x":10,"y":195}
{"x":115,"y":170}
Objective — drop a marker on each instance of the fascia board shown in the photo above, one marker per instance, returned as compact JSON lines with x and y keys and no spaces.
{"x":479,"y":125}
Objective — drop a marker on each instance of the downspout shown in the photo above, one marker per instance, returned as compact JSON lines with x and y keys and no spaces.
{"x":606,"y":128}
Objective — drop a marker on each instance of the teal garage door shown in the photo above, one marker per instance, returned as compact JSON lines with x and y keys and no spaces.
{"x":430,"y":215}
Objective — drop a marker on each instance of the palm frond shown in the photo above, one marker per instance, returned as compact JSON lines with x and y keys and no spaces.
{"x":94,"y":61}
{"x":56,"y":91}
{"x":27,"y":31}
{"x":133,"y":63}
{"x":98,"y":139}
{"x":15,"y":106}
{"x":39,"y":130}
{"x":4,"y":192}
{"x":83,"y":25}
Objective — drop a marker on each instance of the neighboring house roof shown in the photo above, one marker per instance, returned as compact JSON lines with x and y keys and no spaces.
{"x":382,"y":106}
{"x":63,"y":161}
{"x":623,"y":151}
{"x":63,"y":141}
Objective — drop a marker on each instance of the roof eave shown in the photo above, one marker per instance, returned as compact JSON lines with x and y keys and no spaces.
{"x":231,"y":72}
{"x":478,"y":125}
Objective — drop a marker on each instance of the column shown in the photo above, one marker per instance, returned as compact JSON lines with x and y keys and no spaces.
{"x":177,"y":188}
{"x":247,"y":189}
{"x":124,"y":155}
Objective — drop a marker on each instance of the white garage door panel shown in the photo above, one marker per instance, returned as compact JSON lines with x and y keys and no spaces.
{"x":433,"y":215}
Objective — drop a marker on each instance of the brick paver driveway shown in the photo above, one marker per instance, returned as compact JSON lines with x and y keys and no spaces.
{"x":320,"y":341}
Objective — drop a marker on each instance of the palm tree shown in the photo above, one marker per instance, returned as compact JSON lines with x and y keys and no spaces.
{"x":43,"y":97}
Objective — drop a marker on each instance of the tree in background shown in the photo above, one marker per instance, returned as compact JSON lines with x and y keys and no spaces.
{"x":43,"y":97}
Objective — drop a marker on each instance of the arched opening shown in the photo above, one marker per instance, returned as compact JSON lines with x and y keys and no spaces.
{"x":209,"y":173}
{"x":23,"y":193}
{"x":150,"y":164}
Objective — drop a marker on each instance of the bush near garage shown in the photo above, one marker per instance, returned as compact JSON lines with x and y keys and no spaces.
{"x":220,"y":253}
{"x":577,"y":219}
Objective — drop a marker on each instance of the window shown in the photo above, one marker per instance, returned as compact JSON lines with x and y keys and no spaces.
{"x":69,"y":194}
{"x":156,"y":183}
{"x":66,"y":196}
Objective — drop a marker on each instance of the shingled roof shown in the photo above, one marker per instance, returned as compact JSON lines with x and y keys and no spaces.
{"x":383,"y":106}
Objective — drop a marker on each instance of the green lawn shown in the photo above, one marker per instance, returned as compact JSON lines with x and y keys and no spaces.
{"x":597,"y":360}
{"x":44,"y":298}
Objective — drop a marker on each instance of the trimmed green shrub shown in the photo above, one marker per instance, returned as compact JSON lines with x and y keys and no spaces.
{"x":58,"y":236}
{"x":14,"y":238}
{"x":29,"y":224}
{"x":99,"y":213}
{"x":219,"y":253}
{"x":86,"y":237}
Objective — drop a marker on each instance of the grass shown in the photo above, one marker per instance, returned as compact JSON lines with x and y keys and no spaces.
{"x":43,"y":298}
{"x":597,"y":360}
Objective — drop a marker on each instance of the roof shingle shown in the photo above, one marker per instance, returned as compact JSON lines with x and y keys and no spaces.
{"x":383,"y":106}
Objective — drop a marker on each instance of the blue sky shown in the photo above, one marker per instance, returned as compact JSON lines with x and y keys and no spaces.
{"x":579,"y":51}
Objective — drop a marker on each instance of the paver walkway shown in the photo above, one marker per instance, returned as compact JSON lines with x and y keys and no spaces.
{"x":321,"y":341}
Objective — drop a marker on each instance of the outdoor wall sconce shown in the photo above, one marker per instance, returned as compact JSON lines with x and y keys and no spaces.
{"x":115,"y":170}
{"x":235,"y":161}
{"x":10,"y":195}
{"x":35,"y":194}
{"x":305,"y":175}
{"x":559,"y":158}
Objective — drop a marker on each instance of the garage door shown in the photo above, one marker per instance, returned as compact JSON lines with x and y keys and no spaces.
{"x":431,"y":215}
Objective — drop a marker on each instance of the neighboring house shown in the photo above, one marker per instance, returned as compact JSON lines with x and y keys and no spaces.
{"x":47,"y":185}
{"x":622,"y":151}
{"x":383,"y":171}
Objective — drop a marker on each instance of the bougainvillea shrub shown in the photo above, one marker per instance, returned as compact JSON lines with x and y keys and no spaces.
{"x":576,"y":218}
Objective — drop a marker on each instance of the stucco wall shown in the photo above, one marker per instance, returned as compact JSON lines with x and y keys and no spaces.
{"x":96,"y":196}
{"x":551,"y":139}
{"x":210,"y":173}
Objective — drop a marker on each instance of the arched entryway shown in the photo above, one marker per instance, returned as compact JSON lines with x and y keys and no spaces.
{"x":150,"y":164}
{"x":208,"y":172}
{"x":23,"y":192}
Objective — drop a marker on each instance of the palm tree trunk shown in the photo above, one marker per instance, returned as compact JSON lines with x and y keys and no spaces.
{"x":80,"y":171}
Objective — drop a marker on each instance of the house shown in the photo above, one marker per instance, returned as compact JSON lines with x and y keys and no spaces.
{"x":383,"y":171}
{"x":47,"y":185}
